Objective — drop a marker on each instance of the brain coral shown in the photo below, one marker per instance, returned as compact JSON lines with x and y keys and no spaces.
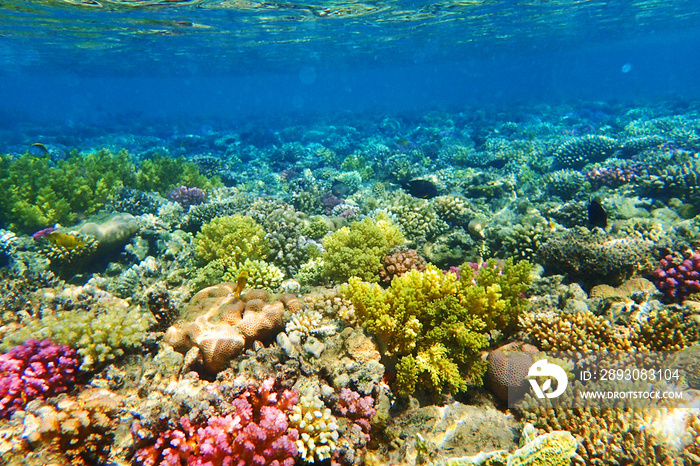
{"x":224,"y":324}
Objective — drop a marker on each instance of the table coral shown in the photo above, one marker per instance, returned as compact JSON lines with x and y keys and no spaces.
{"x":35,"y":370}
{"x":435,"y":324}
{"x":256,"y":433}
{"x":224,"y":323}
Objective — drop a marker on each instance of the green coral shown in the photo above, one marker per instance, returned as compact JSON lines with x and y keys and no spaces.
{"x":260,"y":274}
{"x":39,"y":193}
{"x":235,"y":238}
{"x":99,"y":335}
{"x":316,"y":228}
{"x":162,"y":174}
{"x":359,"y":164}
{"x":357,"y":250}
{"x":435,"y":324}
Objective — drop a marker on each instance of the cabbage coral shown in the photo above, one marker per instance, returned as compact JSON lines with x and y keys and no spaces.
{"x":434,"y":324}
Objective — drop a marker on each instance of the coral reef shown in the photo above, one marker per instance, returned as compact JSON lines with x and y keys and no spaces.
{"x":318,"y":431}
{"x":35,"y":370}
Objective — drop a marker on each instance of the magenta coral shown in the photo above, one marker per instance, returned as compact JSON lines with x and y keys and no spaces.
{"x":35,"y":370}
{"x":678,"y":279}
{"x":187,"y":196}
{"x":357,"y":408}
{"x":257,"y":433}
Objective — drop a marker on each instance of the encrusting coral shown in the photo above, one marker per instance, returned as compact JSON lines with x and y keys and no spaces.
{"x":224,"y":323}
{"x":435,"y":324}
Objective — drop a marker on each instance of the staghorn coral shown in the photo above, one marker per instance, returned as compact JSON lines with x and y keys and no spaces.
{"x":35,"y":370}
{"x":318,"y":431}
{"x":400,"y":261}
{"x":680,"y":179}
{"x":434,"y":323}
{"x":223,"y":324}
{"x":235,"y":238}
{"x":357,"y":250}
{"x":256,"y":432}
{"x":577,"y":152}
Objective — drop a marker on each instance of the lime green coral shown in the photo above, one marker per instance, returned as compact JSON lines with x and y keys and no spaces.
{"x":39,"y":193}
{"x":357,"y":250}
{"x":435,"y":324}
{"x":234,"y":238}
{"x":99,"y":335}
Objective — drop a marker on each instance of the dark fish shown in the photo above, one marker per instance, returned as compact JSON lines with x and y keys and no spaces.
{"x":339,"y":189}
{"x":497,"y":163}
{"x":423,"y":189}
{"x":597,"y":217}
{"x":39,"y":151}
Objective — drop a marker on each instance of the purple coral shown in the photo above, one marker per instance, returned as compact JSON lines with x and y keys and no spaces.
{"x":357,"y":408}
{"x":35,"y":370}
{"x":256,"y":433}
{"x":678,"y":279}
{"x":611,"y":177}
{"x":187,"y":196}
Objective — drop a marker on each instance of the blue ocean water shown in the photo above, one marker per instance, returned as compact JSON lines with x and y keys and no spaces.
{"x":99,"y":62}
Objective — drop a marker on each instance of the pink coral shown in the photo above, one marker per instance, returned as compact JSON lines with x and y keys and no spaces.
{"x":35,"y":370}
{"x":678,"y":279}
{"x":256,"y":433}
{"x":357,"y":408}
{"x":187,"y":196}
{"x":399,"y":262}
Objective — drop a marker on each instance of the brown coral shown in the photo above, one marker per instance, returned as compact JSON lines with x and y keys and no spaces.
{"x":400,"y":261}
{"x":224,"y":324}
{"x":508,"y":366}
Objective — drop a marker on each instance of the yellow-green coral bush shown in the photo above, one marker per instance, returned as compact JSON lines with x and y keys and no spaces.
{"x":435,"y":324}
{"x":235,"y":238}
{"x":39,"y":193}
{"x":357,"y":250}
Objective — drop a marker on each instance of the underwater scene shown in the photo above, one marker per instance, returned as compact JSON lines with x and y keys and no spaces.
{"x":350,"y":232}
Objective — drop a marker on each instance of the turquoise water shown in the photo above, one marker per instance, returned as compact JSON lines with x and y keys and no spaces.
{"x":68,"y":61}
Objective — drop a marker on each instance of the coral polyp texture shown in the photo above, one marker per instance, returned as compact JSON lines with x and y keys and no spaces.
{"x":400,"y":261}
{"x":257,"y":432}
{"x":35,"y":370}
{"x":318,"y":431}
{"x":236,"y":238}
{"x":224,"y":323}
{"x":677,"y":278}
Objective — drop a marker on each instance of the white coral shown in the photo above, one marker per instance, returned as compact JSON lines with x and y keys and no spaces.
{"x":318,"y":431}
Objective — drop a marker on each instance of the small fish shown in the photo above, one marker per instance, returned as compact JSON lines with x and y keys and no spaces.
{"x":339,"y":189}
{"x":240,"y":283}
{"x":65,"y":240}
{"x":39,"y":151}
{"x":402,"y":142}
{"x":423,"y":189}
{"x":597,"y":217}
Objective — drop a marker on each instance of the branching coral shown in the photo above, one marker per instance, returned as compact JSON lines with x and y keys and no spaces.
{"x":357,"y":250}
{"x":235,"y":238}
{"x":35,"y":370}
{"x":318,"y":431}
{"x":435,"y":324}
{"x":577,"y":152}
{"x":256,"y":433}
